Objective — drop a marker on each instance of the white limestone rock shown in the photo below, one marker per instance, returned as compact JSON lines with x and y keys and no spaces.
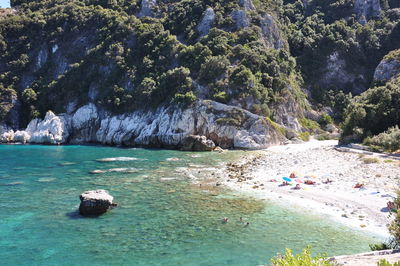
{"x":147,"y":8}
{"x":271,"y":34}
{"x":165,"y":127}
{"x":240,"y":18}
{"x":336,"y":73}
{"x":52,"y":130}
{"x":21,"y":136}
{"x":366,"y":9}
{"x":387,"y":69}
{"x":206,"y":22}
{"x":84,"y":124}
{"x":6,"y":134}
{"x":247,"y":5}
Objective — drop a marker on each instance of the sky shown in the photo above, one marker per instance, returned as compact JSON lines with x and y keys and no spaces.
{"x":5,"y":3}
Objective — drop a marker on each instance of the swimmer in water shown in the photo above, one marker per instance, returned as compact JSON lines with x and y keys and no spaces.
{"x":225,"y":220}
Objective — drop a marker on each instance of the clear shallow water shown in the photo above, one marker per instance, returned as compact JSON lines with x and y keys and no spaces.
{"x":159,"y":221}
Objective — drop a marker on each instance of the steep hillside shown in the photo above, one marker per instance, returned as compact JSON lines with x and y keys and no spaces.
{"x":129,"y":57}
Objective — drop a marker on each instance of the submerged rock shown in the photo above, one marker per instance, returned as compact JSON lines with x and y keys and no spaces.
{"x":95,"y":202}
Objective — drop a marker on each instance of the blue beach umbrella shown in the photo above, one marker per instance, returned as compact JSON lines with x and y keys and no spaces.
{"x":287,"y":179}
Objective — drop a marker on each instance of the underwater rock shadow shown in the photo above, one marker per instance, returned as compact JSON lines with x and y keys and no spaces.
{"x":75,"y":215}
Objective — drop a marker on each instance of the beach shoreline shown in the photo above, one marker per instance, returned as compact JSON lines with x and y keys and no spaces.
{"x":260,"y":175}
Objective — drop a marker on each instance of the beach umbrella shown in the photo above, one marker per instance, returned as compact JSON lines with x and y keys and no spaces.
{"x":287,"y":179}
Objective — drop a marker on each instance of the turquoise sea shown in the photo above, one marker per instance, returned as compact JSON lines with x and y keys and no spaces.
{"x":162,"y":217}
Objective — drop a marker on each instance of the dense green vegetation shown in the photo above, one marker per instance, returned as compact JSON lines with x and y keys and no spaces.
{"x":59,"y":53}
{"x":374,"y":111}
{"x":127,"y":60}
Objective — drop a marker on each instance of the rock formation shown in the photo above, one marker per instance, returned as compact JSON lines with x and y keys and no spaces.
{"x":95,"y":202}
{"x":147,"y":8}
{"x":166,"y":127}
{"x":206,"y":22}
{"x":337,"y":75}
{"x":271,"y":33}
{"x":387,"y":69}
{"x":240,"y":18}
{"x":197,"y":143}
{"x":247,"y":4}
{"x":366,"y":9}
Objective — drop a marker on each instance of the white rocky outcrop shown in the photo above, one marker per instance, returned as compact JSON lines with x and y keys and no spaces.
{"x":387,"y":69}
{"x":337,"y":74}
{"x":6,"y":134}
{"x":271,"y":32}
{"x":164,"y":127}
{"x":240,"y":18}
{"x":366,"y":9}
{"x":147,"y":8}
{"x":247,"y":4}
{"x":51,"y":130}
{"x":206,"y":22}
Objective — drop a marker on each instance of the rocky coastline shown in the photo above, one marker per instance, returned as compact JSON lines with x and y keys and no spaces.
{"x":201,"y":127}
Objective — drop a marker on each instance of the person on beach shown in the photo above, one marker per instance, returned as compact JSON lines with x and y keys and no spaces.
{"x":391,"y":206}
{"x":359,"y":185}
{"x":292,"y":176}
{"x":297,"y":187}
{"x":284,"y":183}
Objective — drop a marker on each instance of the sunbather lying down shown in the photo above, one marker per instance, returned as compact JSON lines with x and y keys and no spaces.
{"x":309,"y":182}
{"x":284,"y":183}
{"x":359,"y":185}
{"x":297,"y":187}
{"x":392,"y":206}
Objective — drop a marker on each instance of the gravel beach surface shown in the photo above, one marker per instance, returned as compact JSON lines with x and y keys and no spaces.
{"x":350,"y":187}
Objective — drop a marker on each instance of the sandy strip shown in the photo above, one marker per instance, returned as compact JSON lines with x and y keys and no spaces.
{"x":364,"y":209}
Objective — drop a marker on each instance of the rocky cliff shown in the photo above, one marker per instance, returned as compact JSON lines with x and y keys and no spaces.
{"x":166,"y":127}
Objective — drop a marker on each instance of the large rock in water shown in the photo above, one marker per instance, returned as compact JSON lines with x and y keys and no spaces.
{"x":95,"y":202}
{"x":197,"y":143}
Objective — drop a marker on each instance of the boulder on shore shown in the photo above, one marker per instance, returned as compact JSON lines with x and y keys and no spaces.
{"x":95,"y":202}
{"x":197,"y":143}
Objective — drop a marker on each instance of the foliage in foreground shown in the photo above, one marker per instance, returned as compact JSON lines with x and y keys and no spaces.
{"x":386,"y":263}
{"x":302,"y":259}
{"x":386,"y":141}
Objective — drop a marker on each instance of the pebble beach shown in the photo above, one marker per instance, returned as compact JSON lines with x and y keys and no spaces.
{"x":350,"y":186}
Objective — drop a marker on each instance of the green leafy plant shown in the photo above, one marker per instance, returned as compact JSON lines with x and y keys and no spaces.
{"x":304,"y":136}
{"x":384,"y":262}
{"x":303,"y":259}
